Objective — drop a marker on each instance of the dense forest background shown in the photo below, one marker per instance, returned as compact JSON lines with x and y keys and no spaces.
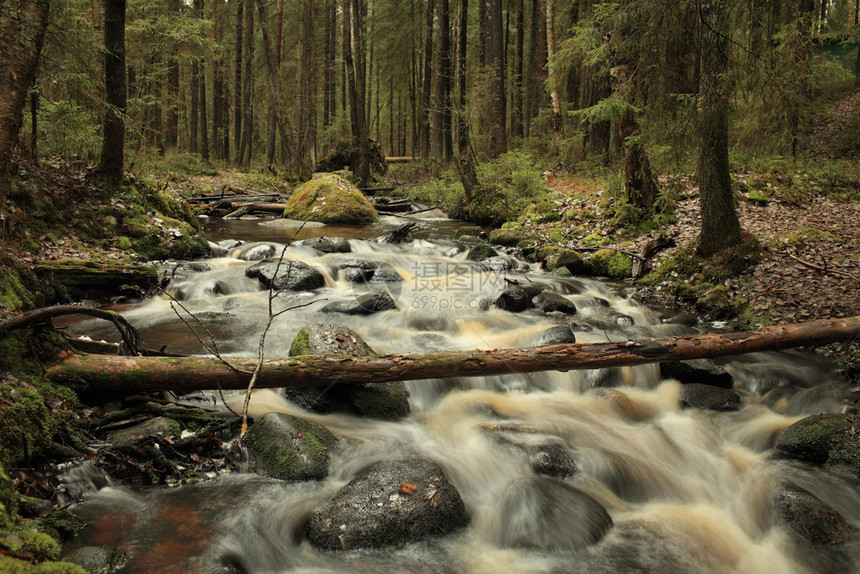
{"x":213,"y":81}
{"x":626,"y":88}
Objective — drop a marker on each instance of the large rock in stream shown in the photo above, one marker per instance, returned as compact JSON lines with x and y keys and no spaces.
{"x":541,"y":512}
{"x":827,"y":439}
{"x":385,"y":401}
{"x":289,"y":448}
{"x":288,"y":276}
{"x":389,"y":504}
{"x":811,"y":519}
{"x":330,"y":199}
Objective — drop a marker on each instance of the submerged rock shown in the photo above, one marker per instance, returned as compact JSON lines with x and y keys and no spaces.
{"x":709,"y":398}
{"x":703,"y":371}
{"x":384,"y":401}
{"x":518,"y":297}
{"x":366,"y":304}
{"x":540,"y":512}
{"x":559,"y":335}
{"x":811,"y":519}
{"x":391,"y":503}
{"x":330,"y":199}
{"x":99,"y":559}
{"x":291,"y":275}
{"x":289,"y":448}
{"x":549,"y":302}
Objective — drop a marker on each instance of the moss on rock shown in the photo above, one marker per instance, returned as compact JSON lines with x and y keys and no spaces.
{"x":611,"y":263}
{"x":330,"y":199}
{"x":290,"y":448}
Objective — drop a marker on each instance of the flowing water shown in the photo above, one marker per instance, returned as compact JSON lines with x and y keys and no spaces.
{"x":687,"y":490}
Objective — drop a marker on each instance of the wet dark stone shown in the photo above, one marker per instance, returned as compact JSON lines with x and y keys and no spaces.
{"x":100,"y":559}
{"x":573,"y":262}
{"x":559,"y":335}
{"x":385,"y":276}
{"x":703,"y":371}
{"x":358,"y":264}
{"x":354,"y":275}
{"x":327,"y":245}
{"x":257,"y":252}
{"x":497,"y":264}
{"x":709,"y":398}
{"x":544,"y":513}
{"x":549,"y":302}
{"x":811,"y":519}
{"x":552,"y":460}
{"x":366,"y":304}
{"x":289,"y":448}
{"x":682,"y":318}
{"x":221,"y":288}
{"x":580,"y":327}
{"x":623,"y":320}
{"x":384,"y":401}
{"x":481,"y":252}
{"x":518,"y":298}
{"x":391,"y":503}
{"x":292,"y":275}
{"x":820,"y":439}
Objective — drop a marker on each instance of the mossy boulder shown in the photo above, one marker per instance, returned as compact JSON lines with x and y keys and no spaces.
{"x":384,"y":401}
{"x":827,"y":439}
{"x":506,"y":237}
{"x":389,"y":504}
{"x":289,"y":448}
{"x":18,"y":285}
{"x":612,"y":264}
{"x":481,"y":252}
{"x":330,"y":199}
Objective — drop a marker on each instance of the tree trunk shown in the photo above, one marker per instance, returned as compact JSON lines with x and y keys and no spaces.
{"x":201,"y":88}
{"x":721,"y":228}
{"x":462,"y":42}
{"x":113,"y":141}
{"x":22,"y":27}
{"x":194,"y":112}
{"x":171,"y":131}
{"x":116,"y":374}
{"x":272,"y":123}
{"x":307,"y":96}
{"x":640,"y":185}
{"x":237,"y":84}
{"x":442,"y":100}
{"x":424,"y":115}
{"x":244,"y":157}
{"x":357,"y":33}
{"x":499,"y":134}
{"x":274,"y":89}
{"x":553,"y":80}
{"x":517,"y":73}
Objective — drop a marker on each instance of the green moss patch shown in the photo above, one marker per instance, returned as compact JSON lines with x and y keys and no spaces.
{"x":330,"y":199}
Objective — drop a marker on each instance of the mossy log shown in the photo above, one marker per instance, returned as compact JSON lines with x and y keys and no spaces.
{"x":136,"y":374}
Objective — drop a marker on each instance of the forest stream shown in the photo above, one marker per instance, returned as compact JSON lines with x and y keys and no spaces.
{"x":685,"y":489}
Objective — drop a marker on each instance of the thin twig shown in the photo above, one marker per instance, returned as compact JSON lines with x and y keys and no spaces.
{"x":822,"y":269}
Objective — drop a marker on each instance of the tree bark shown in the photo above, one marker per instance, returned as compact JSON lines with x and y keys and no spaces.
{"x":517,"y":72}
{"x":109,"y":373}
{"x":553,"y":80}
{"x":721,"y":228}
{"x":640,"y":186}
{"x":424,"y":115}
{"x":113,"y":141}
{"x":204,"y":117}
{"x":274,"y":89}
{"x":237,"y":84}
{"x":244,"y":157}
{"x":442,"y":104}
{"x":357,"y":32}
{"x":499,"y":134}
{"x":171,"y":130}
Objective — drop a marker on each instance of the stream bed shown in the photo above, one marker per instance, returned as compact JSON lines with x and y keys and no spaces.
{"x":687,"y":490}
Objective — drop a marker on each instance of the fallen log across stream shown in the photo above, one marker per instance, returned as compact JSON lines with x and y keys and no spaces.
{"x":118,"y":374}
